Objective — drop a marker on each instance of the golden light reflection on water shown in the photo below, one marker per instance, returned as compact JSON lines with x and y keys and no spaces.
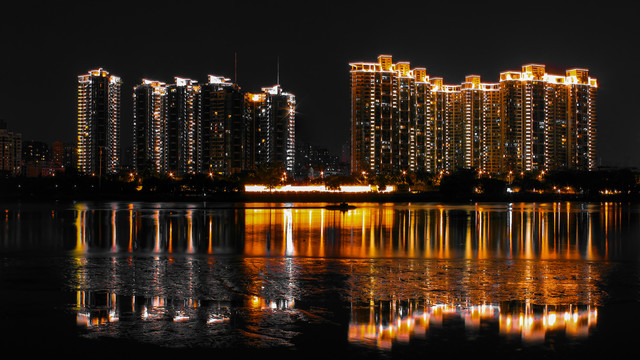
{"x":524,"y":271}
{"x":383,"y":323}
{"x":525,"y":231}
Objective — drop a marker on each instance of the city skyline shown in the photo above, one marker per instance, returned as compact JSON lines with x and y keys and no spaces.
{"x":311,"y":59}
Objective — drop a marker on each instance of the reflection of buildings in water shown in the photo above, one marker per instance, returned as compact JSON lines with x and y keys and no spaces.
{"x":157,"y":229}
{"x":481,"y":231}
{"x":383,"y":323}
{"x":202,"y":293}
{"x":529,"y":231}
{"x":532,"y":322}
{"x":98,"y":310}
{"x":95,"y":309}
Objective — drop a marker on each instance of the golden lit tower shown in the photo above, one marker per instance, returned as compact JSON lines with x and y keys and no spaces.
{"x":491,"y":129}
{"x":423,"y":122}
{"x":581,"y":119}
{"x":548,"y":120}
{"x":447,"y":115}
{"x":149,"y":127}
{"x":389,"y":113}
{"x":530,"y":121}
{"x":98,"y":123}
{"x":557,"y":124}
{"x":481,"y":125}
{"x":472,"y":108}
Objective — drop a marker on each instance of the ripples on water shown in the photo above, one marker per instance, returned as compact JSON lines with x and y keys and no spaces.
{"x":378,"y":277}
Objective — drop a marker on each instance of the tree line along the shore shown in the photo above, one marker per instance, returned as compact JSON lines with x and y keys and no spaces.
{"x":460,"y":183}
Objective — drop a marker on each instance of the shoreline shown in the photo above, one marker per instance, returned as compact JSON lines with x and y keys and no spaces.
{"x":331,"y":198}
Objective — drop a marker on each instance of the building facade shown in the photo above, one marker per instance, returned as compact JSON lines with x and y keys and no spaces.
{"x":402,"y":119}
{"x":189,"y":128}
{"x":98,"y":131}
{"x":271,"y":115}
{"x":149,"y":127}
{"x":10,"y":151}
{"x":223,"y":126}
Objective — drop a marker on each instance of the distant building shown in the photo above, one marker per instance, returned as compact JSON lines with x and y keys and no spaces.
{"x":70,"y":157}
{"x":10,"y":151}
{"x":402,"y":119}
{"x":36,"y":158}
{"x":57,"y":155}
{"x":314,"y":161}
{"x":98,"y":143}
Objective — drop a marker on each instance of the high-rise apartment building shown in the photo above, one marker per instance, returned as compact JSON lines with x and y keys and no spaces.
{"x":98,"y":128}
{"x":149,"y":127}
{"x":223,"y":126}
{"x":387,"y":135}
{"x":182,"y":127}
{"x":447,"y":130}
{"x":213,"y":128}
{"x":549,"y":120}
{"x":10,"y":151}
{"x":529,"y":121}
{"x":271,"y":120}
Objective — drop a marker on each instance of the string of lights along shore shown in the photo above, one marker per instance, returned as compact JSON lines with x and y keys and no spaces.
{"x":184,"y":128}
{"x":404,"y":120}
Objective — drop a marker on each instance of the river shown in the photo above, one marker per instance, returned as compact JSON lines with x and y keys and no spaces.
{"x":407,"y":280}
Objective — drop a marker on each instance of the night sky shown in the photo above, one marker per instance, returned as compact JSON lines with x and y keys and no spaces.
{"x":45,"y":45}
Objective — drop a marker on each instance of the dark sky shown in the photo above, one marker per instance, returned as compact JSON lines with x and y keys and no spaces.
{"x":45,"y":45}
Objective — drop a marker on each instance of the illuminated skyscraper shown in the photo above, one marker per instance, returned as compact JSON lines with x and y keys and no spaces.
{"x":388,"y":122}
{"x":182,"y":139}
{"x":548,"y":120}
{"x":529,"y":121}
{"x":215,"y":128}
{"x":272,"y":120}
{"x":98,"y":123}
{"x":149,"y":127}
{"x":448,"y":130}
{"x":223,"y":125}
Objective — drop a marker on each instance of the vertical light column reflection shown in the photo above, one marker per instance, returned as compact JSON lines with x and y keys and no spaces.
{"x":568,"y":250}
{"x":483,"y":246}
{"x":114,"y":247}
{"x":510,"y":228}
{"x":590,"y":255}
{"x":210,"y":248}
{"x":446,"y":236}
{"x":528,"y":239}
{"x":190,"y":246}
{"x":130,"y":248}
{"x":288,"y":232}
{"x":545,"y":253}
{"x":440,"y":231}
{"x":469,"y":243}
{"x":156,"y":227}
{"x":81,"y":230}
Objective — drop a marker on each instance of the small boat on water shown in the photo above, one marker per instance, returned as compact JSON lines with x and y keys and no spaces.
{"x":343,"y":206}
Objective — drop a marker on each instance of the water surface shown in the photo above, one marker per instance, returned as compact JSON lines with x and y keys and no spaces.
{"x":554,"y":280}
